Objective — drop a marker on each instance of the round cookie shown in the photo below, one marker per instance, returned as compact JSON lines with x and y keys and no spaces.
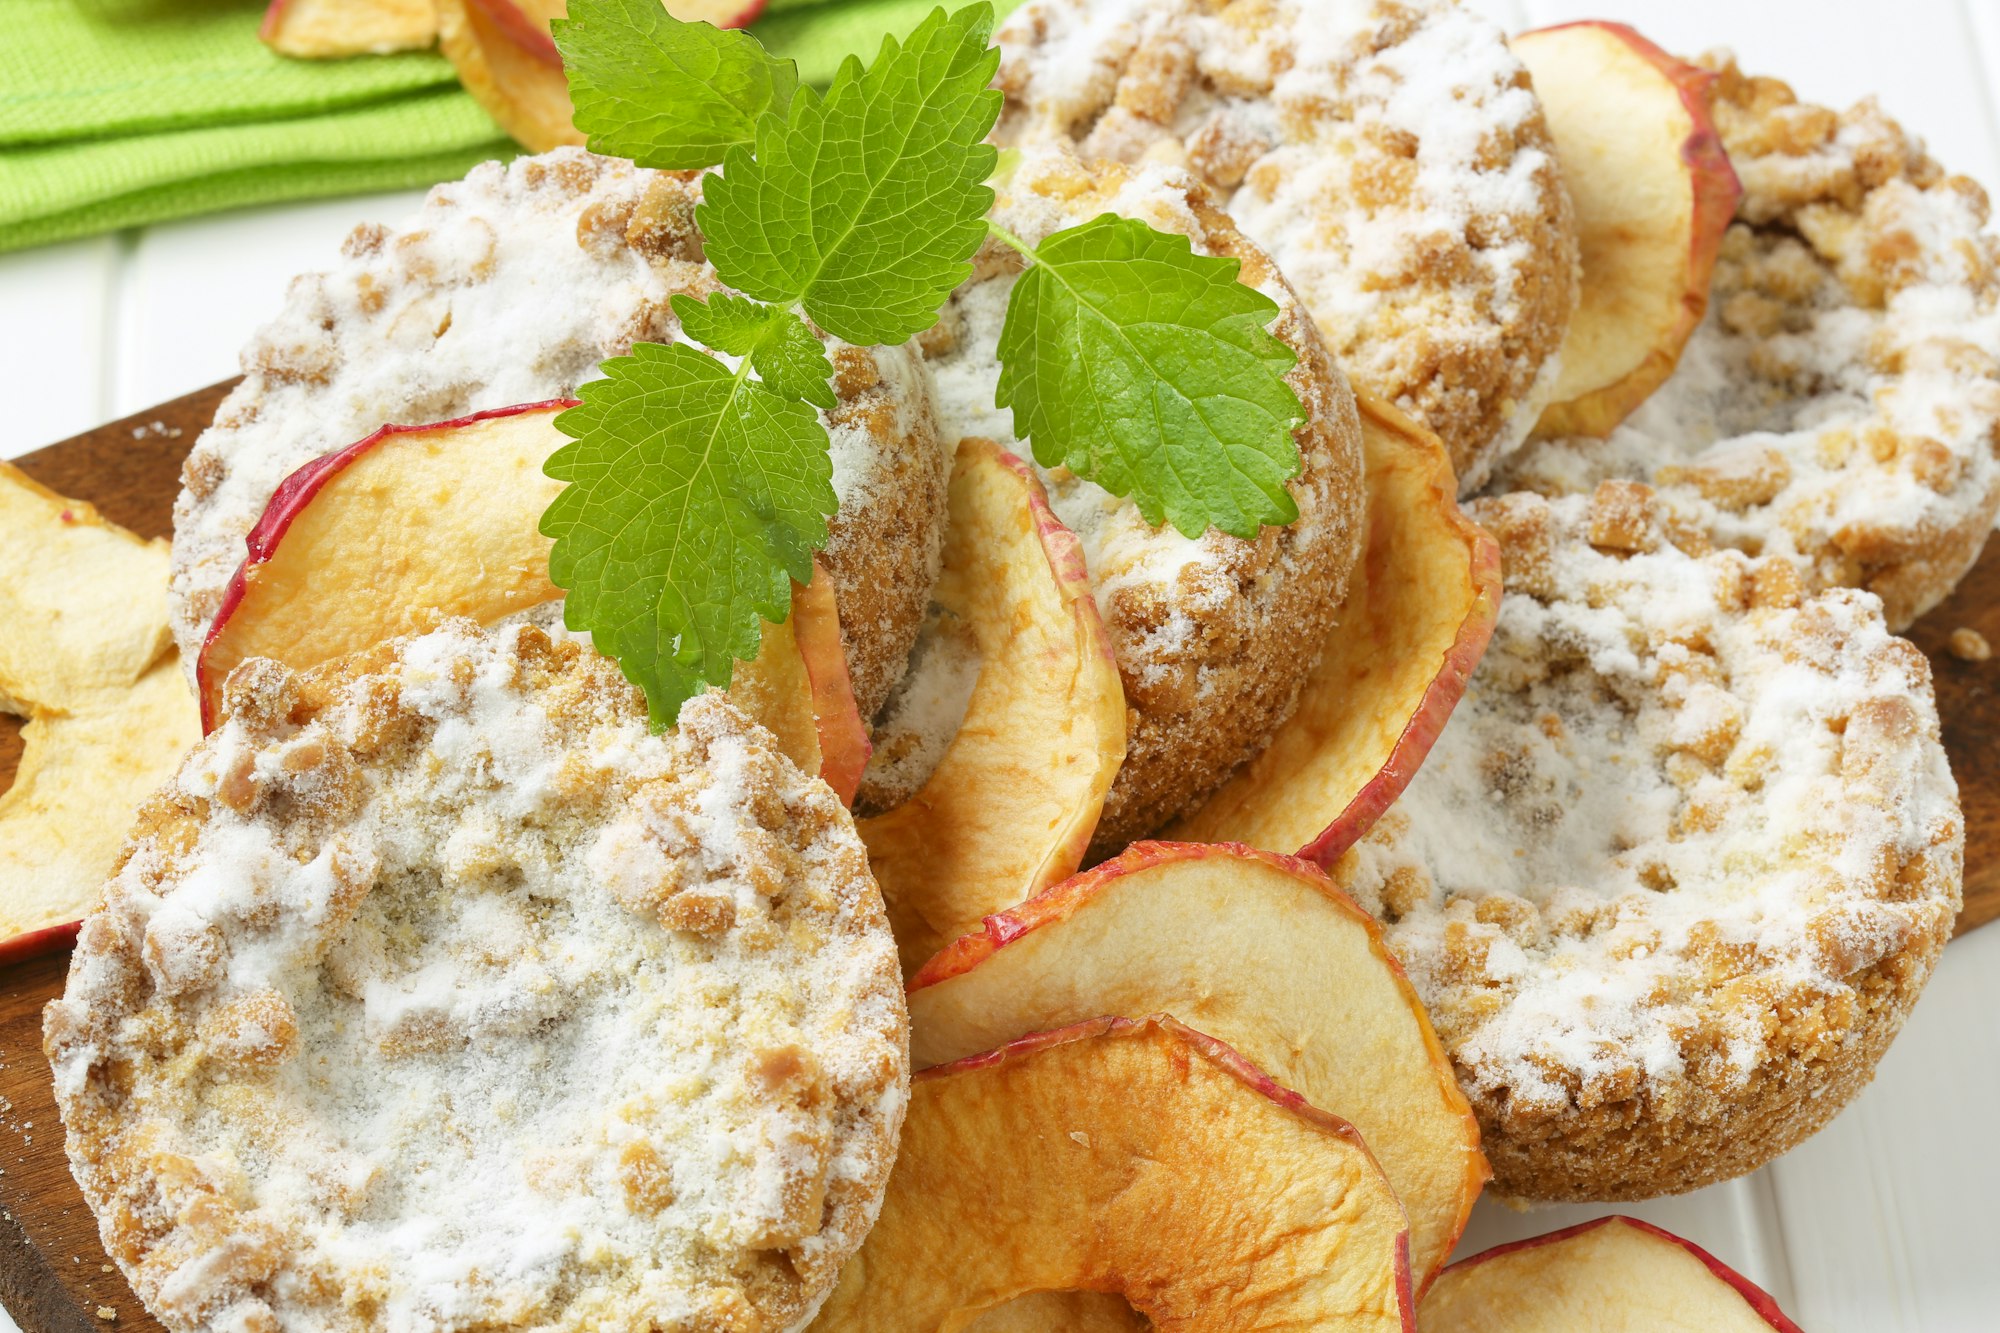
{"x":435,"y":991}
{"x":1840,"y":404}
{"x":1388,"y":155}
{"x":510,"y":287}
{"x":1681,"y":862}
{"x":1214,"y":636}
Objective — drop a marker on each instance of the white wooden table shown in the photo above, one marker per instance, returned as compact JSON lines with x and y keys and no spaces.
{"x":1884,"y":1223}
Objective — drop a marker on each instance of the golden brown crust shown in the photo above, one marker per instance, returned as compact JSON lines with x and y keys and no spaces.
{"x":1446,"y":289}
{"x":511,"y":286}
{"x":262,"y":986}
{"x":883,"y":555}
{"x":1841,"y":403}
{"x":1674,"y":875}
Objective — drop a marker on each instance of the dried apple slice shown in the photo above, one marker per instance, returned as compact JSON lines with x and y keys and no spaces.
{"x":83,"y":773}
{"x":1613,"y":1275}
{"x":319,"y":29}
{"x":1260,"y":951}
{"x":1654,"y":193}
{"x":799,"y":688}
{"x":463,"y":499}
{"x":1141,"y":1158}
{"x":86,"y":658}
{"x":84,"y":601}
{"x":1061,"y":1312}
{"x":1010,"y":808}
{"x":364,"y":543}
{"x":1420,"y":607}
{"x":509,"y":62}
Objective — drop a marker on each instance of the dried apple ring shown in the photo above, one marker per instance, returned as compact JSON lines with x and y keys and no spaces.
{"x":1015,"y":793}
{"x":1264,"y":954}
{"x":1418,"y":613}
{"x":1141,"y":1158}
{"x":87,"y":664}
{"x":463,"y":498}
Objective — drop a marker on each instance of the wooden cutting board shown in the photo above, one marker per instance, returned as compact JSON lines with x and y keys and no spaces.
{"x":54,"y":1276}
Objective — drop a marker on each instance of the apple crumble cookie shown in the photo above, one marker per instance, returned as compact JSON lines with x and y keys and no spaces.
{"x":1214,"y":635}
{"x":437,"y":993}
{"x":1840,"y":403}
{"x":1680,"y":863}
{"x":510,"y":286}
{"x":1389,"y":155}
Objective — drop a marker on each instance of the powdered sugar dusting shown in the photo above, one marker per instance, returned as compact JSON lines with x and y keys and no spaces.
{"x":1659,"y":786}
{"x":923,"y":714}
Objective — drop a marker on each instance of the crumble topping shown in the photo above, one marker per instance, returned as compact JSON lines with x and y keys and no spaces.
{"x":1840,"y":403}
{"x":1390,"y":157}
{"x":437,"y":993}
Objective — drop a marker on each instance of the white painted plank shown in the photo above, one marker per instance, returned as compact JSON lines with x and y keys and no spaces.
{"x":1984,"y":18}
{"x":1836,"y":52}
{"x":54,"y":303}
{"x":195,"y":291}
{"x":1888,"y":1212}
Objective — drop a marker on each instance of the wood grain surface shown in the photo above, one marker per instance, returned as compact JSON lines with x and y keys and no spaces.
{"x":54,"y":1276}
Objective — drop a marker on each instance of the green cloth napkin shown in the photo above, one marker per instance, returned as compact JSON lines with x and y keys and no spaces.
{"x":119,"y":113}
{"x":116,"y":113}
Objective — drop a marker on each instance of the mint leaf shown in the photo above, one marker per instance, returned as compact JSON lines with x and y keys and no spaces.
{"x":662,"y":92}
{"x":782,"y":350}
{"x":695,"y":497}
{"x":1146,"y":368}
{"x":866,"y":205}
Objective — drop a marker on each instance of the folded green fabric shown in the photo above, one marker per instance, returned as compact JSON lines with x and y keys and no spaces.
{"x":119,"y":113}
{"x":52,"y":192}
{"x":73,"y":69}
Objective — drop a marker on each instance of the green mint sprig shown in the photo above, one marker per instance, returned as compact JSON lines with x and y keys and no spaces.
{"x":667,"y":94}
{"x":1131,"y":360}
{"x":695,"y":497}
{"x":865,"y":207}
{"x":697,"y":493}
{"x":782,"y":350}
